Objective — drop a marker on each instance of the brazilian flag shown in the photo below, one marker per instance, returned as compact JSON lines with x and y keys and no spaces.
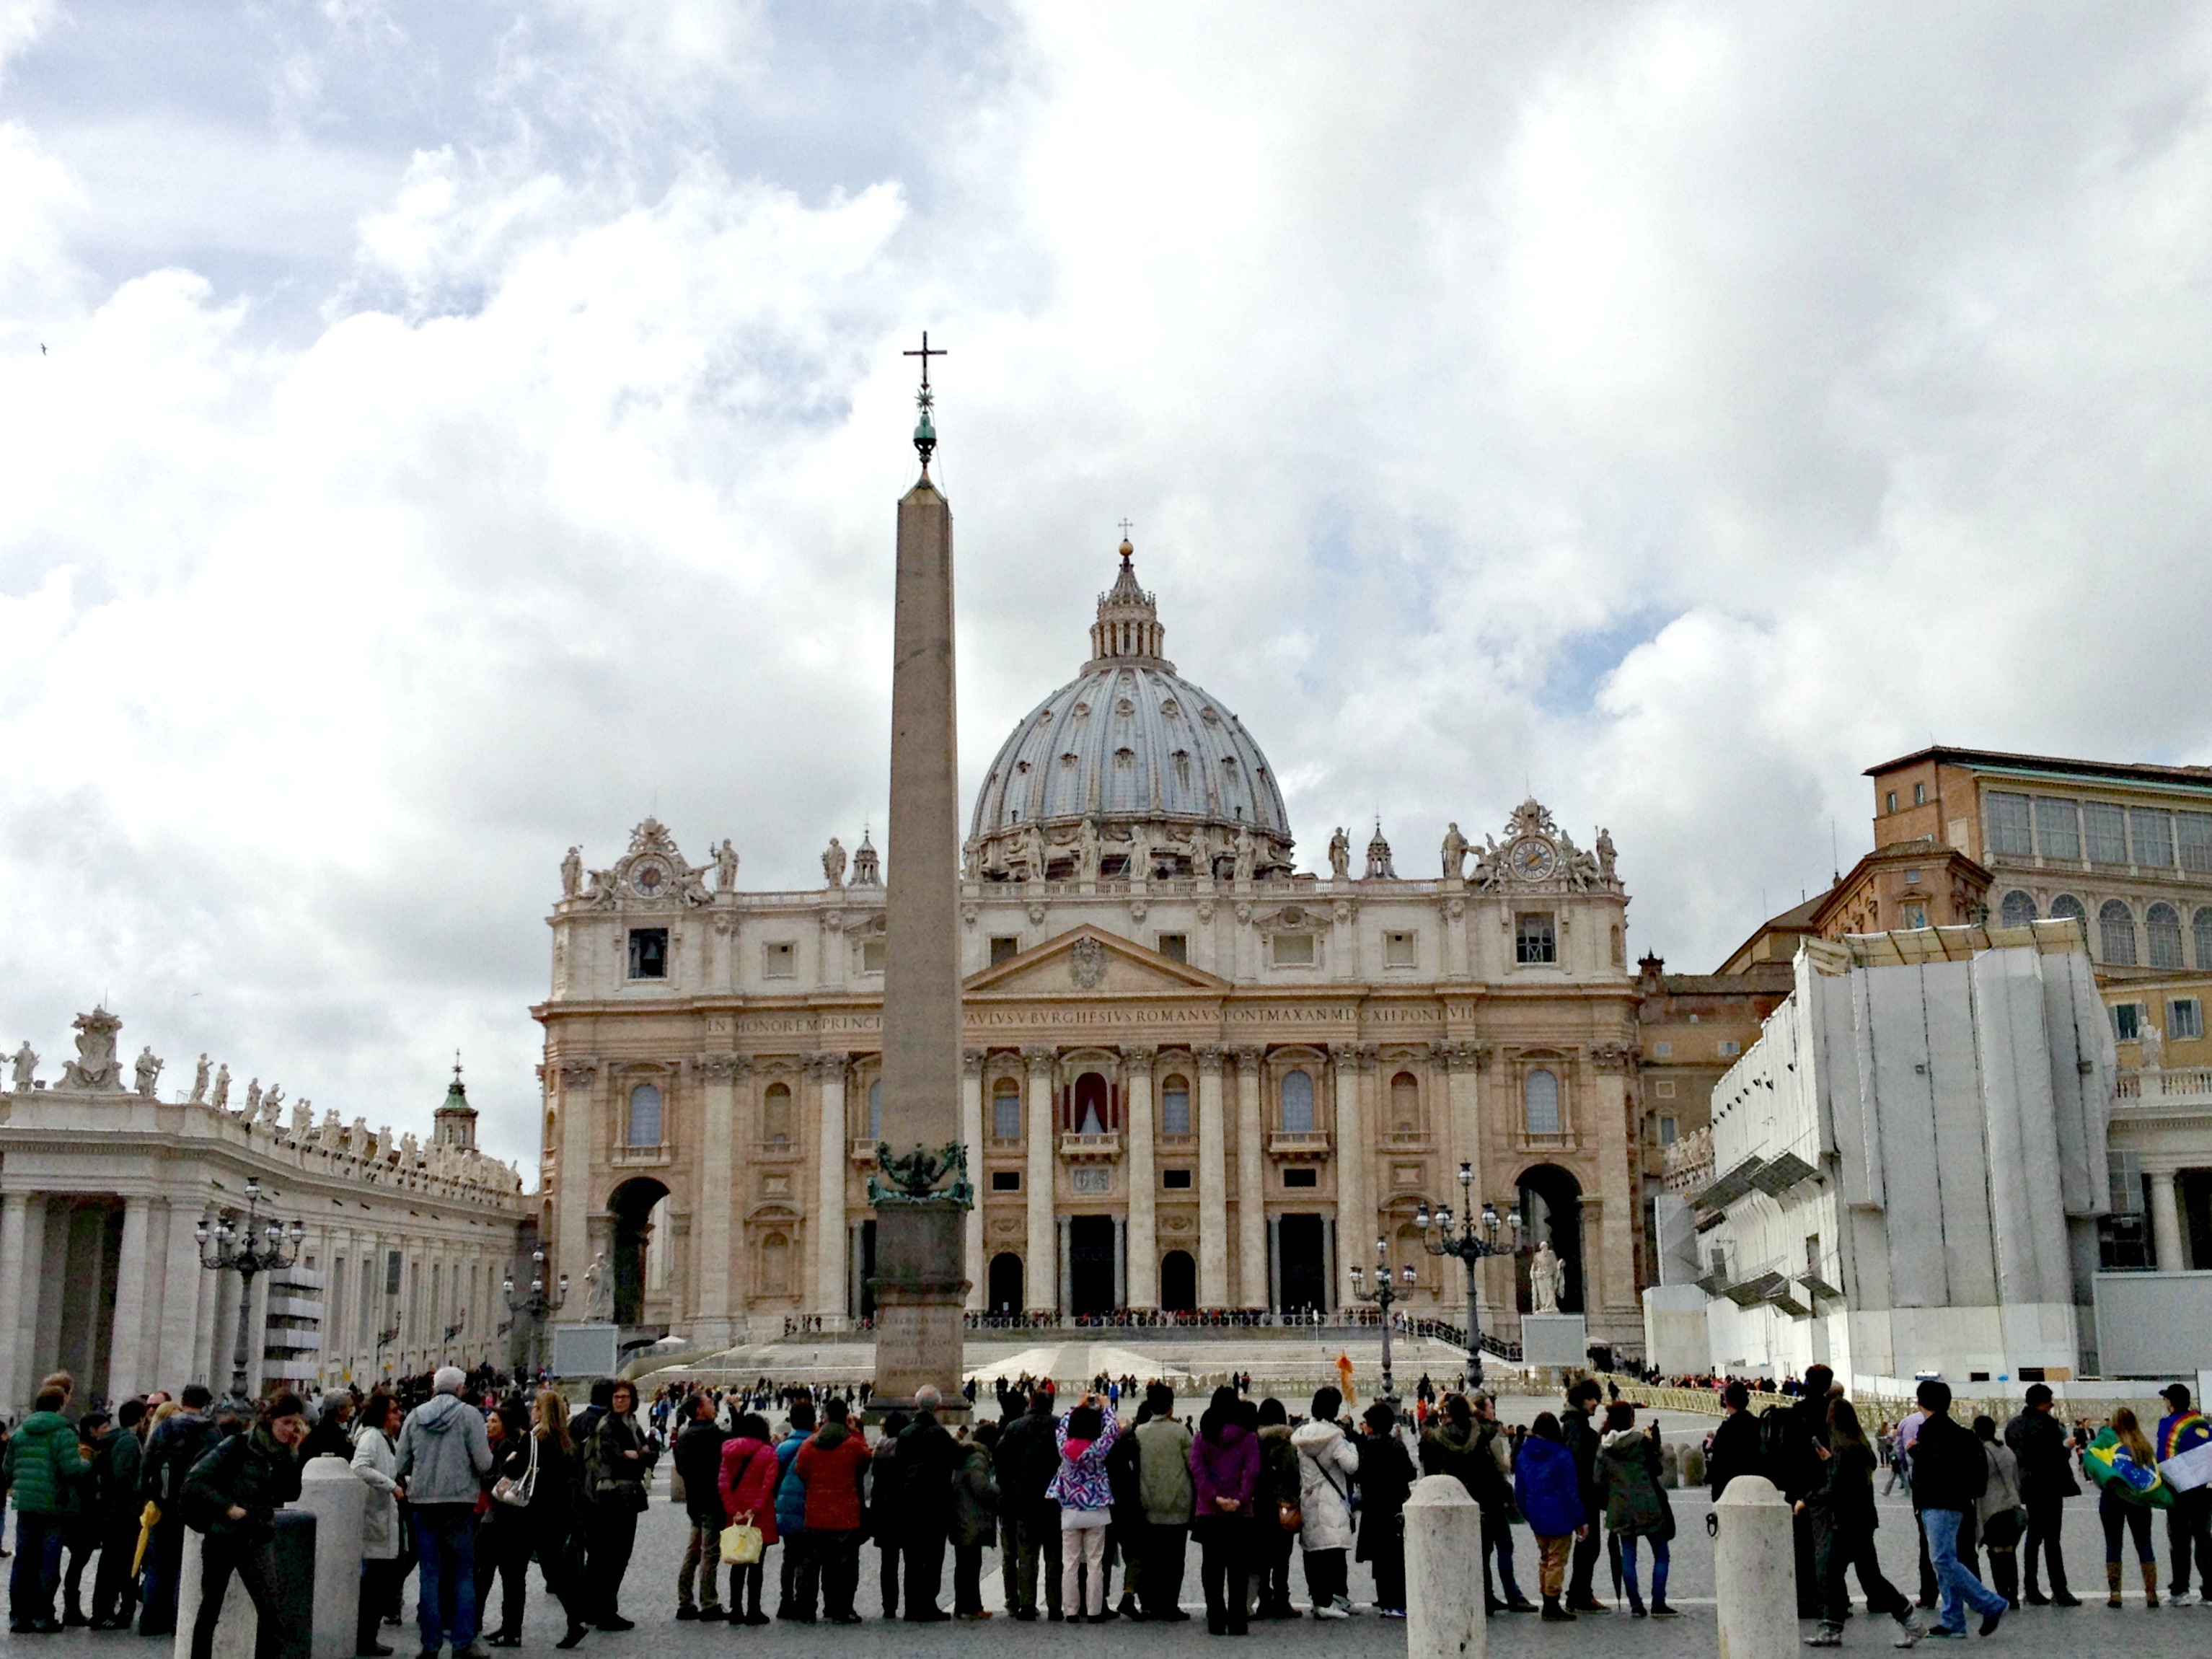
{"x":2113,"y":1468}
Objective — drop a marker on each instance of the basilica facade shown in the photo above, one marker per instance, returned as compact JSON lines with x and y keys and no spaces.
{"x":1196,"y":1077}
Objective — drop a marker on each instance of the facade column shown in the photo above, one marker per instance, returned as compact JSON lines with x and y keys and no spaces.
{"x":1251,"y":1184}
{"x":571,"y":1249}
{"x":832,"y":1299}
{"x":1354,"y":1203}
{"x":1143,"y":1257}
{"x":971,"y":1138}
{"x":1213,"y":1185}
{"x":1039,"y":1275}
{"x":2166,"y":1222}
{"x":713,"y":1325}
{"x":23,"y":1243}
{"x":136,"y":1280}
{"x":1275,"y":1262}
{"x":1121,"y":1262}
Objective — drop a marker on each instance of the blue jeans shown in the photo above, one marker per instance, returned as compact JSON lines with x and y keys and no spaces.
{"x":1659,"y":1560}
{"x":38,"y":1570}
{"x":1942,"y":1528}
{"x":444,"y":1548}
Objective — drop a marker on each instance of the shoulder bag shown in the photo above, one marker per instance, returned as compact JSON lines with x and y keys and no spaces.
{"x":514,"y":1492}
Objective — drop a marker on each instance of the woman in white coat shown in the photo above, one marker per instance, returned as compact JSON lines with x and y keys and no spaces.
{"x":1326,"y":1464}
{"x":376,"y":1460}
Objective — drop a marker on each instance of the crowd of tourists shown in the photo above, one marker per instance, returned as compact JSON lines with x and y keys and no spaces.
{"x":465,"y":1484}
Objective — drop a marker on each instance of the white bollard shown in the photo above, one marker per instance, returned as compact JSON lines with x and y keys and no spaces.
{"x":235,"y":1631}
{"x":1443,"y":1571}
{"x":1754,"y":1571}
{"x":332,"y":1492}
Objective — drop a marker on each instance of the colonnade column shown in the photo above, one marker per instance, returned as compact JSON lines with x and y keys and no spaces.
{"x":718,"y":1075}
{"x":1041,"y":1268}
{"x":175,"y":1321}
{"x":1251,"y":1185}
{"x":1143,"y":1288}
{"x":128,"y":1363}
{"x":2166,"y":1222}
{"x":1352,"y":1197}
{"x":23,"y":1243}
{"x":971,"y":1138}
{"x":830,"y":1237}
{"x":1213,"y":1185}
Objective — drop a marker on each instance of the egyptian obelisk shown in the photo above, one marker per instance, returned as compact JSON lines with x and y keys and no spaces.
{"x":921,"y":1290}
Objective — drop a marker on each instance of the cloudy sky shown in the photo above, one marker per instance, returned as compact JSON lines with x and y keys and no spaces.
{"x":433,"y":435}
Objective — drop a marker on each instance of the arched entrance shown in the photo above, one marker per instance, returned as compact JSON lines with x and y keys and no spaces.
{"x":1005,"y":1294}
{"x":631,"y":1207}
{"x":1551,"y":1208}
{"x":1178,"y":1282}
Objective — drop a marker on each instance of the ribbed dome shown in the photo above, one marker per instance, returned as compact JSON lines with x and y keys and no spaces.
{"x":1128,"y":762}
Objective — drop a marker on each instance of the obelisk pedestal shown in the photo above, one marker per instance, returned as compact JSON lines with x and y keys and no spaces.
{"x":921,"y":1290}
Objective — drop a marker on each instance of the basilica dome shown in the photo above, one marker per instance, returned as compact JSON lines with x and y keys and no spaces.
{"x":1128,"y":768}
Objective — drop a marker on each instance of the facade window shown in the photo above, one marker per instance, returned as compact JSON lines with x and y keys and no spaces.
{"x":2185,"y":1018}
{"x":1533,"y":940}
{"x":1296,"y":1177}
{"x":1730,"y":1048}
{"x":1294,"y":950}
{"x":1174,"y":1107}
{"x":1175,"y":1181}
{"x":1006,"y":1181}
{"x":2127,"y":1021}
{"x":1889,"y":801}
{"x":1664,"y":1089}
{"x":1662,"y":1049}
{"x":775,"y":1114}
{"x":778,"y":959}
{"x":1399,"y":951}
{"x":873,"y":954}
{"x":2201,"y":925}
{"x":1175,"y":947}
{"x":1004,"y":947}
{"x":2115,"y":930}
{"x":1297,"y":1105}
{"x":776,"y":1265}
{"x":2067,"y":908}
{"x":2162,"y":935}
{"x":1404,"y":1104}
{"x":2010,"y":831}
{"x":2057,"y":828}
{"x":2107,"y":832}
{"x":2152,"y":833}
{"x":2193,"y":833}
{"x":875,"y":1109}
{"x":1006,"y":1109}
{"x":648,"y":953}
{"x":1920,"y":794}
{"x":2018,"y":908}
{"x":1668,"y":1129}
{"x":643,"y":1127}
{"x":1540,"y":1103}
{"x":2124,"y":1236}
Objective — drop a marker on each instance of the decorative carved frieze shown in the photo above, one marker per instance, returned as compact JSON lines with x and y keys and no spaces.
{"x":721,"y":1068}
{"x":971,"y":1062}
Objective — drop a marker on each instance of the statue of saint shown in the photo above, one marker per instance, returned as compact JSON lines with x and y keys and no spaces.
{"x":833,"y":864}
{"x":1605,"y":855}
{"x":1086,"y":850}
{"x":1246,"y":852}
{"x":146,"y":1075}
{"x":303,"y":1119}
{"x":571,"y":873}
{"x":725,"y":867}
{"x":221,"y":1098}
{"x":1340,"y":855}
{"x":2150,"y":1043}
{"x":598,"y":1290}
{"x":200,"y":1082}
{"x":1033,"y":848}
{"x":1455,"y":852}
{"x":1547,"y":1278}
{"x":253,"y":1100}
{"x":27,"y":1067}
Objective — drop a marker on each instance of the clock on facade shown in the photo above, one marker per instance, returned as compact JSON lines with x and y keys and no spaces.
{"x":1532,"y":858}
{"x":648,"y":877}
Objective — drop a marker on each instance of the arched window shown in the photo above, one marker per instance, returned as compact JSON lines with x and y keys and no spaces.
{"x":775,"y":1114}
{"x":1006,"y":1109}
{"x":2201,"y":924}
{"x":2162,"y":934}
{"x":1089,"y":1105}
{"x":1540,"y":1100}
{"x":2018,"y":908}
{"x":1404,"y":1104}
{"x":1174,"y":1105}
{"x":875,"y":1109}
{"x":2115,"y":930}
{"x":2067,"y":908}
{"x":1297,"y":1105}
{"x":643,"y":1128}
{"x":776,"y":1265}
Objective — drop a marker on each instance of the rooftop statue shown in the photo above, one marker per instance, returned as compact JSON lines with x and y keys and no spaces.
{"x":1455,"y":852}
{"x":26,"y":1067}
{"x":94,"y":1066}
{"x":146,"y":1076}
{"x":200,"y":1082}
{"x":221,"y":1098}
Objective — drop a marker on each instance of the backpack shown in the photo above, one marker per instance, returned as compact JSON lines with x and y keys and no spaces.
{"x":1774,"y":1445}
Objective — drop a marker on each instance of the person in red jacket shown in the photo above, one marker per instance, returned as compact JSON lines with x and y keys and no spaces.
{"x":832,"y":1465}
{"x":748,"y":1486}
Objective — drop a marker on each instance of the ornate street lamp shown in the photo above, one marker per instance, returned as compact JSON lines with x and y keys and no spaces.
{"x":1383,"y":1296}
{"x":1475,"y":1239}
{"x":247,"y":1247}
{"x":536,"y":1304}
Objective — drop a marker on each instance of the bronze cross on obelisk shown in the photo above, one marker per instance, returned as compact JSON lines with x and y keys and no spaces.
{"x":925,"y":429}
{"x":926,"y":353}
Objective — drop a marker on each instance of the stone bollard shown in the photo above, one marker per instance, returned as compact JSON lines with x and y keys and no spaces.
{"x":1443,"y":1571}
{"x":1693,"y":1466}
{"x":1670,"y":1464}
{"x":334,"y":1495}
{"x":1754,"y":1571}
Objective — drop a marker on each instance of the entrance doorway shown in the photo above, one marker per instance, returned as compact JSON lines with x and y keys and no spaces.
{"x":1552,"y":1207}
{"x":1178,"y":1282}
{"x":631,"y":1205}
{"x":1003,"y":1295}
{"x":1090,"y":1264}
{"x":1303,"y":1262}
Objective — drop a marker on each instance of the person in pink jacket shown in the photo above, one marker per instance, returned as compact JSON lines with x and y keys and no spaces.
{"x":750,"y":1471}
{"x":1225,"y":1473}
{"x":1084,"y":1495}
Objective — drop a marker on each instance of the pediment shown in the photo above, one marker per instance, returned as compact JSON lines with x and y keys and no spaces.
{"x":1088,"y":961}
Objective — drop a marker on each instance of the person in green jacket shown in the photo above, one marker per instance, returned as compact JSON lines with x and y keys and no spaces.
{"x":44,"y":1468}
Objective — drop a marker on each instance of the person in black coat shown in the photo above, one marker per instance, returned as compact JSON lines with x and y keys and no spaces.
{"x":1803,"y":1471}
{"x":1581,"y":1437}
{"x":2039,"y":1441}
{"x":1737,"y":1448}
{"x":698,"y":1459}
{"x":233,"y":1494}
{"x":1950,"y":1473}
{"x":174,"y":1446}
{"x":927,"y":1456}
{"x":1386,"y":1481}
{"x":1842,"y":1510}
{"x":1028,"y":1456}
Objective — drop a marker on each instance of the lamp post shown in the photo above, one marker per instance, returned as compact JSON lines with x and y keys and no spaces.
{"x":536,"y":1304}
{"x":247,"y":1247}
{"x":1475,"y":1239}
{"x":1383,"y":1296}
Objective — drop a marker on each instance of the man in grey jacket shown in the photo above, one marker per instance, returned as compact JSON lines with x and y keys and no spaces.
{"x":444,"y":1455}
